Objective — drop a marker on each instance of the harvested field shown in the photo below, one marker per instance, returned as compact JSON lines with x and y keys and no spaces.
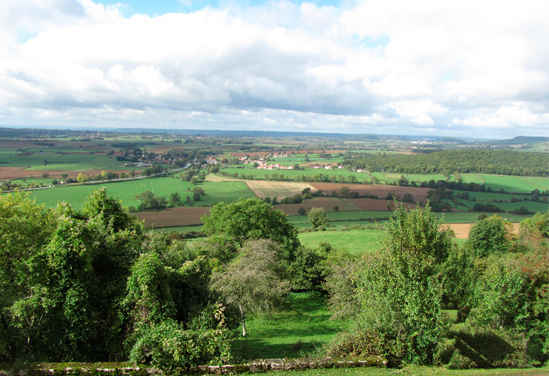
{"x":277,"y":189}
{"x":21,"y":172}
{"x":328,"y":203}
{"x":173,"y":217}
{"x":461,"y":230}
{"x":381,"y":191}
{"x":217,"y":178}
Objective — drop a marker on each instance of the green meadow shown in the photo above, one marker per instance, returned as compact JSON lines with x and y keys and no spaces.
{"x":353,"y":241}
{"x":128,"y":190}
{"x":52,"y":160}
{"x":306,"y":329}
{"x":505,"y":183}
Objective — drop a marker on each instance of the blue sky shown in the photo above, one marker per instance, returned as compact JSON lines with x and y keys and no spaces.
{"x":430,"y":67}
{"x":158,"y":7}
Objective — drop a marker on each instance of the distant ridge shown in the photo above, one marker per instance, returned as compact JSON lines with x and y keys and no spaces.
{"x":524,"y":140}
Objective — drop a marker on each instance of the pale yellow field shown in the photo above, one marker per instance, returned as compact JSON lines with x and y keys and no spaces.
{"x":278,"y":189}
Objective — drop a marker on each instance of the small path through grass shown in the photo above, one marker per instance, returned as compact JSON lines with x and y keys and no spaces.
{"x":301,"y":329}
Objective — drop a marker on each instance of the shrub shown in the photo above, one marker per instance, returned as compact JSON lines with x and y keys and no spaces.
{"x":170,"y":348}
{"x":400,"y":294}
{"x":490,"y":235}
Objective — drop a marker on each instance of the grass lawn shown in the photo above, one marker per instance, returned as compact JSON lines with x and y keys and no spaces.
{"x":352,"y":241}
{"x":128,"y":190}
{"x":300,"y":330}
{"x":411,"y":371}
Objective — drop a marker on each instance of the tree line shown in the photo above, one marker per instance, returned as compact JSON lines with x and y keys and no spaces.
{"x":446,"y":162}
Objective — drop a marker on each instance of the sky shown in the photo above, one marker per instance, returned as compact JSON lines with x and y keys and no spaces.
{"x":464,"y":68}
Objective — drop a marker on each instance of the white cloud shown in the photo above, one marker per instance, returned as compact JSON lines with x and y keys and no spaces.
{"x":399,"y":66}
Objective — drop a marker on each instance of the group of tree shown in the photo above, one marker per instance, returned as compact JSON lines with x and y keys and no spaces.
{"x":91,"y":285}
{"x":498,"y":284}
{"x":149,"y":201}
{"x":447,"y":162}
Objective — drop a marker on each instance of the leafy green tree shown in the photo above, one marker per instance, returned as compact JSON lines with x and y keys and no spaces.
{"x":175,"y":199}
{"x":253,"y":281}
{"x":25,"y":227}
{"x":511,"y":296}
{"x":150,"y":201}
{"x":75,"y":282}
{"x":252,"y":219}
{"x":318,"y":218}
{"x":490,"y":235}
{"x":536,"y":226}
{"x":400,"y":292}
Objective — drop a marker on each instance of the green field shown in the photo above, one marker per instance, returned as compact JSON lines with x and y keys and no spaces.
{"x":294,"y":159}
{"x":128,"y":190}
{"x":294,"y":175}
{"x":299,"y":330}
{"x":519,"y":184}
{"x":52,"y":160}
{"x":353,"y":241}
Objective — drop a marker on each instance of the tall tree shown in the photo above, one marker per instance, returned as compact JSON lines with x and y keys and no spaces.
{"x":253,"y":281}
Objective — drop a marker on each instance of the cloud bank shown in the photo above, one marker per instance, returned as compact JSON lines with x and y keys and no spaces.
{"x":464,"y":68}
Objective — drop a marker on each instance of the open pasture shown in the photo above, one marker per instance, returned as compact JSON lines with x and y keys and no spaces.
{"x":301,"y":159}
{"x":520,"y":184}
{"x":295,"y":175}
{"x":353,"y":241}
{"x":509,"y":184}
{"x":128,"y":190}
{"x":59,"y":160}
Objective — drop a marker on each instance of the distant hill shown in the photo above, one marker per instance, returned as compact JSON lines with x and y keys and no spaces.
{"x":525,"y":140}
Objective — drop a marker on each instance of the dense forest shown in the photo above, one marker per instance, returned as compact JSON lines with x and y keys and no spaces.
{"x":504,"y":162}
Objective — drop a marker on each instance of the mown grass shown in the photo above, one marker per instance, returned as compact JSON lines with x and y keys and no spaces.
{"x":302,"y":329}
{"x":128,"y":190}
{"x":353,"y":241}
{"x":411,"y":371}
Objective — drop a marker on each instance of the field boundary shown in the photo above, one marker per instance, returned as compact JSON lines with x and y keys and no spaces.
{"x":258,"y":366}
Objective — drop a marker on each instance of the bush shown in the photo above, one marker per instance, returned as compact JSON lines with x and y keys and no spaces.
{"x":318,"y":218}
{"x":173,"y":350}
{"x":490,"y":235}
{"x":400,"y":294}
{"x":308,"y":271}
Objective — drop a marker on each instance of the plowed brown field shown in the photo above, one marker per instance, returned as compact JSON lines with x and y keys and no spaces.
{"x":381,"y":191}
{"x":380,"y":205}
{"x":328,"y":203}
{"x":173,"y":217}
